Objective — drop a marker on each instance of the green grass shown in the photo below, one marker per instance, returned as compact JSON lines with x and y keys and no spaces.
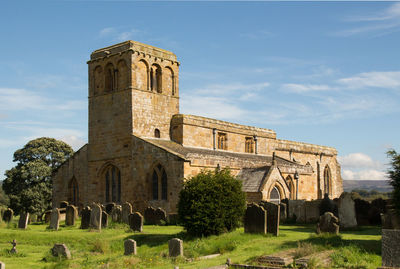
{"x":359,"y":248}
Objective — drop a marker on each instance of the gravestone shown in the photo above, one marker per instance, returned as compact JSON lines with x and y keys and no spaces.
{"x":61,"y":250}
{"x":154,"y":216}
{"x":63,"y":204}
{"x":297,"y":210}
{"x":273,"y":217}
{"x":390,"y":248}
{"x":283,"y":212}
{"x":2,"y":265}
{"x":130,"y":247}
{"x":136,"y":222}
{"x":55,"y":219}
{"x":175,"y":246}
{"x":126,"y":211}
{"x":85,"y":218}
{"x":23,"y":220}
{"x":328,"y":223}
{"x":47,"y":216}
{"x":347,"y":211}
{"x":109,"y":208}
{"x":8,"y":215}
{"x":71,"y":215}
{"x":161,"y":216}
{"x":362,"y":208}
{"x":116,"y":213}
{"x":104,"y":219}
{"x":255,"y":219}
{"x":312,"y":211}
{"x":95,"y":217}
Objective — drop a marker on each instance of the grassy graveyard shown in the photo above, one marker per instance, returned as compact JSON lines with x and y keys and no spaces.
{"x":359,"y":248}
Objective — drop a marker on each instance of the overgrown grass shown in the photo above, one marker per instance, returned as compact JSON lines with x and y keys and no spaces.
{"x":93,"y":249}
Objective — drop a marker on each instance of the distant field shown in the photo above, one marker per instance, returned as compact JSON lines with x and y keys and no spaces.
{"x":369,"y":185}
{"x":92,"y":249}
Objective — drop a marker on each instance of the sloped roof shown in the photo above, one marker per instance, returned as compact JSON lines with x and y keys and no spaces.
{"x":252,"y":178}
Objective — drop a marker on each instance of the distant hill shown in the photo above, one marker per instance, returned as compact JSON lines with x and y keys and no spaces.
{"x":369,"y":185}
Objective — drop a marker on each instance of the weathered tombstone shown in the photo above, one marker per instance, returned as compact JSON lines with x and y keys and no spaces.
{"x":109,"y":208}
{"x":95,"y":217}
{"x":136,"y":222}
{"x":255,"y":219}
{"x":126,"y":211}
{"x":149,"y":215}
{"x":328,"y":223}
{"x":61,"y":250}
{"x":273,"y":217}
{"x":312,"y":211}
{"x":85,"y":219}
{"x":175,"y":246}
{"x":8,"y":215}
{"x":391,"y":248}
{"x":71,"y":215}
{"x":63,"y":204}
{"x":104,"y":219}
{"x":55,"y":219}
{"x":347,"y":211}
{"x":2,"y":265}
{"x":130,"y":247}
{"x":116,"y":213}
{"x":23,"y":220}
{"x":362,"y":208}
{"x":297,"y":210}
{"x":283,"y":214}
{"x":161,"y":216}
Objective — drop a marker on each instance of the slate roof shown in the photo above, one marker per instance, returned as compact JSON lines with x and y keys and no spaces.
{"x":252,"y":178}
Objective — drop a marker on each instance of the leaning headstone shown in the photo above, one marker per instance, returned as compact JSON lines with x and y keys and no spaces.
{"x":126,"y":211}
{"x":130,"y":247}
{"x":116,"y":214}
{"x":61,"y":250}
{"x":71,"y":215}
{"x":297,"y":211}
{"x":85,"y":219}
{"x":55,"y":219}
{"x":328,"y":223}
{"x":109,"y":208}
{"x":95,"y":217}
{"x":23,"y":220}
{"x":8,"y":215}
{"x":255,"y":219}
{"x":63,"y":204}
{"x":347,"y":211}
{"x":136,"y":222}
{"x":273,"y":217}
{"x":175,"y":246}
{"x":391,"y":248}
{"x":104,"y":219}
{"x":2,"y":265}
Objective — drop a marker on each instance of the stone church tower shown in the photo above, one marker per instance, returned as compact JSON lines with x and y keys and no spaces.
{"x":141,"y":149}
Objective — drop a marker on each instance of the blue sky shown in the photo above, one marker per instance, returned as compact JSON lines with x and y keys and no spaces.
{"x":320,"y":72}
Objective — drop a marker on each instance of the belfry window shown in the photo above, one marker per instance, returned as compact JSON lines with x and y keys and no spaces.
{"x":249,"y":145}
{"x":113,"y":184}
{"x":159,"y":182}
{"x":222,"y":141}
{"x":156,"y":78}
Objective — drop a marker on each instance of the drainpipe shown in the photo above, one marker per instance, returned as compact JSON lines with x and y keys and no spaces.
{"x":296,"y":177}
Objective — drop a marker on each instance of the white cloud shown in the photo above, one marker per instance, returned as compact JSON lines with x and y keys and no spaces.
{"x":388,"y":80}
{"x":369,"y":174}
{"x":358,"y":160}
{"x":74,"y":141}
{"x":360,"y":166}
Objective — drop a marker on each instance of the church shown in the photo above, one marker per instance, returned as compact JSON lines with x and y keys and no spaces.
{"x":141,"y":149}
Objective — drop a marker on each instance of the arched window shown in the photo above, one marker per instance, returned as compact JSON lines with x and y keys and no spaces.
{"x":98,"y":79}
{"x":109,"y":77}
{"x":156,"y":78}
{"x":290,"y":184}
{"x":122,"y":75}
{"x":157,"y":133}
{"x":73,"y":192}
{"x":142,"y":75}
{"x":327,"y":180}
{"x":274,"y":196}
{"x":112,"y":177}
{"x":169,"y":81}
{"x":159,"y":183}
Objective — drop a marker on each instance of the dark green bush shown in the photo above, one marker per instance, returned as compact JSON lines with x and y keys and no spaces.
{"x":211,"y":203}
{"x":394,"y":176}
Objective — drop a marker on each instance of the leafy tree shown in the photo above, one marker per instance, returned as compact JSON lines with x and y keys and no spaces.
{"x":211,"y":203}
{"x":28,"y":184}
{"x":394,"y":176}
{"x":3,"y":197}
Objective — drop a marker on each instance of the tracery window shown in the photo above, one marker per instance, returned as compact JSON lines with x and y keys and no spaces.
{"x":159,"y":183}
{"x":249,"y":145}
{"x":222,"y":141}
{"x":112,"y":177}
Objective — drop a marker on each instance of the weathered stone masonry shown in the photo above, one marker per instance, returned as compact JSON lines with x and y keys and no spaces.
{"x":141,"y":149}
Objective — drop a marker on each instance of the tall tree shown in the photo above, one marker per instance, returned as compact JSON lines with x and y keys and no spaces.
{"x":394,"y":176}
{"x":28,"y":184}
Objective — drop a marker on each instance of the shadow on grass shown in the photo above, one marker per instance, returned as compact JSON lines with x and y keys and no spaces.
{"x":153,"y":240}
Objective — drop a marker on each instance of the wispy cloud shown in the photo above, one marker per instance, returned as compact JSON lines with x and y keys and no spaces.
{"x":378,"y":23}
{"x":388,"y":80}
{"x":360,"y":166}
{"x":302,"y":88}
